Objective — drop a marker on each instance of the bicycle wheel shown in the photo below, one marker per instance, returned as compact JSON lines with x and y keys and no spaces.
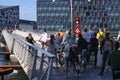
{"x":82,"y":65}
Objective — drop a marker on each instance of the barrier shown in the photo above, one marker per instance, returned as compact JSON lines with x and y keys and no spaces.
{"x":36,"y":62}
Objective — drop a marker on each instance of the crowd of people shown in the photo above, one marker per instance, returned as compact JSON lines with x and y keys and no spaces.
{"x":89,"y":40}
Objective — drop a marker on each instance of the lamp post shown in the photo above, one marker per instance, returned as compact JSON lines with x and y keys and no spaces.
{"x":71,"y":7}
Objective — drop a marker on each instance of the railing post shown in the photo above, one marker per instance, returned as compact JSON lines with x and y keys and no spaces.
{"x":11,"y":51}
{"x":12,"y":45}
{"x":34,"y":65}
{"x":41,"y":66}
{"x":50,"y":68}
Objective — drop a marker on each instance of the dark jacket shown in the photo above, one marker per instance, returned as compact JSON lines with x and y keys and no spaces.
{"x":114,"y":59}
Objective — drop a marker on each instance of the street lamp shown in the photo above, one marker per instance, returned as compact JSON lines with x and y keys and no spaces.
{"x":71,"y":7}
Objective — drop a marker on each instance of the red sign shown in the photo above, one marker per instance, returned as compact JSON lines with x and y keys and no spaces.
{"x":77,"y":30}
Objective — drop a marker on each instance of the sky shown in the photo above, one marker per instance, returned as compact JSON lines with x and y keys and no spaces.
{"x":27,"y":8}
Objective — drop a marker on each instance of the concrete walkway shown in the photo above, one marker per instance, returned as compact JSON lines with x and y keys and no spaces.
{"x":90,"y":74}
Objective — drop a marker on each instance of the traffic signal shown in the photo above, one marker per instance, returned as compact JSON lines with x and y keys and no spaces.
{"x":77,"y":29}
{"x":77,"y":19}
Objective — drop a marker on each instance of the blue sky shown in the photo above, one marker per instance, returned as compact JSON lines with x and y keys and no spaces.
{"x":27,"y":8}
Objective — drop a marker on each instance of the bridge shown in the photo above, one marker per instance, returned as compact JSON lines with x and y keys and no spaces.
{"x":38,"y":63}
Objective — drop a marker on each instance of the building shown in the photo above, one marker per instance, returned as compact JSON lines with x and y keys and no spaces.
{"x":54,"y":14}
{"x":27,"y":25}
{"x":9,"y":17}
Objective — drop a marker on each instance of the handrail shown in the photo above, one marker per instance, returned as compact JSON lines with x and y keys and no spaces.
{"x":36,"y":62}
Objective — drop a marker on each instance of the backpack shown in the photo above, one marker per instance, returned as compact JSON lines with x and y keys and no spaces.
{"x":73,"y":52}
{"x":107,"y":45}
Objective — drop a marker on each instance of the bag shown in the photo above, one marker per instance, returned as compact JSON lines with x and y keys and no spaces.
{"x":107,"y":45}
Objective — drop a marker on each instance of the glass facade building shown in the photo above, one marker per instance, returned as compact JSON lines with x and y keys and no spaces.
{"x":9,"y":17}
{"x":54,"y":14}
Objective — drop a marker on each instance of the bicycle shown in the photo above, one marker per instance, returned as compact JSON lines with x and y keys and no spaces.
{"x":82,"y":60}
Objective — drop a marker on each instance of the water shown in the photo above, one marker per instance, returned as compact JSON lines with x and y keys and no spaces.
{"x":17,"y":74}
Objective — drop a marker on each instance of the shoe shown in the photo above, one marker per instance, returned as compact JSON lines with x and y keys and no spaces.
{"x":101,"y":74}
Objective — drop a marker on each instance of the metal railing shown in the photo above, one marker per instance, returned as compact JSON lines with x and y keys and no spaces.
{"x":36,"y":62}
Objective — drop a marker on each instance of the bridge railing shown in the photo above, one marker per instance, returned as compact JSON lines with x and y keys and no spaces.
{"x":36,"y":62}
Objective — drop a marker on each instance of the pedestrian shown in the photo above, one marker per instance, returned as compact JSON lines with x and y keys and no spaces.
{"x":94,"y":48}
{"x":100,"y":35}
{"x":114,"y":61}
{"x":105,"y":48}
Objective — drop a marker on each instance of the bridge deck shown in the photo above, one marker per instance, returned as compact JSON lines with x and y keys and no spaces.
{"x":89,"y":74}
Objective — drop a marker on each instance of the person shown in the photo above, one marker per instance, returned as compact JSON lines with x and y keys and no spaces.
{"x":100,"y":35}
{"x":91,"y":32}
{"x":66,"y":55}
{"x":60,"y":32}
{"x":51,"y":45}
{"x":68,"y":37}
{"x":81,"y":44}
{"x":30,"y":39}
{"x":74,"y":59}
{"x":58,"y":40}
{"x":82,"y":47}
{"x":43,"y":38}
{"x":94,"y":47}
{"x":118,"y":37}
{"x":86,"y":35}
{"x":114,"y":60}
{"x":105,"y":48}
{"x":66,"y":34}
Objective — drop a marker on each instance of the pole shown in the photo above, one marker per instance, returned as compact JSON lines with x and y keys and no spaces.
{"x":71,"y":6}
